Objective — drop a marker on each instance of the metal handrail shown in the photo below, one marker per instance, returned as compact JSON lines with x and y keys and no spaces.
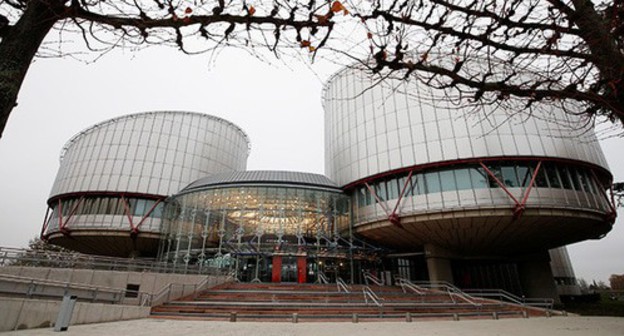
{"x":406,"y":283}
{"x":452,"y":291}
{"x":45,"y":258}
{"x":372,"y":278}
{"x":117,"y":294}
{"x":504,"y":295}
{"x":342,"y":285}
{"x":321,"y":278}
{"x":368,"y":293}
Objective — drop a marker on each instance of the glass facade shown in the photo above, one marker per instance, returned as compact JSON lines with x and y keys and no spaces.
{"x":474,"y":177}
{"x":226,"y":226}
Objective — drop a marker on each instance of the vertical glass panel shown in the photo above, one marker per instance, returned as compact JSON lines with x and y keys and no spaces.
{"x":540,"y":179}
{"x":380,"y":190}
{"x":408,"y":190}
{"x":509,"y":176}
{"x":583,"y":180}
{"x":524,"y":175}
{"x":478,"y":178}
{"x":393,"y":189}
{"x":574,"y":178}
{"x":158,"y":211}
{"x":462,"y":177}
{"x":553,"y":177}
{"x":592,"y":184}
{"x":361,"y":196}
{"x":447,"y":180}
{"x":496,"y":171}
{"x":418,"y":184}
{"x":433,"y":182}
{"x":564,"y":176}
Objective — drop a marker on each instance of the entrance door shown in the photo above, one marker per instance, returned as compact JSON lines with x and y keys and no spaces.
{"x":289,"y":269}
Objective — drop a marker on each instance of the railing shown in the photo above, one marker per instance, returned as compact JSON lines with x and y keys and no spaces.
{"x":369,"y":277}
{"x":33,"y":287}
{"x":502,"y":295}
{"x":321,"y":278}
{"x":369,"y":294}
{"x":45,"y":258}
{"x":342,"y":285}
{"x":452,"y":291}
{"x":404,"y":283}
{"x":28,"y":287}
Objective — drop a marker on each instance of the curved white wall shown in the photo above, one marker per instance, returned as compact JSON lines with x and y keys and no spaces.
{"x":155,"y":153}
{"x":372,"y":128}
{"x":114,"y":175}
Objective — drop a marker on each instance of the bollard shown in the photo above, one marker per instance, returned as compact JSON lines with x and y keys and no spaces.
{"x":408,"y":317}
{"x":525,"y":314}
{"x":548,"y":313}
{"x":565,"y":313}
{"x":233,"y":317}
{"x":355,"y":318}
{"x":295,"y":318}
{"x":494,"y":315}
{"x":455,"y":317}
{"x":65,"y":313}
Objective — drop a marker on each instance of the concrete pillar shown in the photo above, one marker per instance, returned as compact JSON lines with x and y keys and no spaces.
{"x":536,"y":277}
{"x":438,"y":263}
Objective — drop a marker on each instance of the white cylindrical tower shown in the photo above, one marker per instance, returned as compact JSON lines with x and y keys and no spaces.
{"x":476,"y":180}
{"x":108,"y":194}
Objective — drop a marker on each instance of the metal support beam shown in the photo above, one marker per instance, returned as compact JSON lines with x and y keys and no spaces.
{"x":46,"y":222}
{"x":393,"y":217}
{"x":127,"y":212}
{"x":522,"y":206}
{"x":500,"y":184}
{"x":72,"y":212}
{"x":381,"y":203}
{"x":135,"y":230}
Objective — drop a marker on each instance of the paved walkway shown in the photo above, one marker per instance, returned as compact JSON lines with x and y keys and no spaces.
{"x":556,"y":326}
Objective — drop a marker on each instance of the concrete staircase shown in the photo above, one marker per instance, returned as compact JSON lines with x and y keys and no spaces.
{"x":314,"y":302}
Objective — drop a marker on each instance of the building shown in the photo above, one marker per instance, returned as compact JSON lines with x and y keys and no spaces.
{"x":415,"y":187}
{"x":474,"y":196}
{"x":108,"y":195}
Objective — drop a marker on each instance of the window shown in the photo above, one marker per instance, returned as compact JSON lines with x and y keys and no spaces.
{"x":432,"y":182}
{"x":380,"y":191}
{"x":540,"y":179}
{"x":447,"y":179}
{"x":462,"y":177}
{"x":393,"y":189}
{"x":496,"y":171}
{"x":509,"y":176}
{"x":565,"y":178}
{"x":524,"y":175}
{"x":418,"y":184}
{"x":553,"y":177}
{"x":479,"y":178}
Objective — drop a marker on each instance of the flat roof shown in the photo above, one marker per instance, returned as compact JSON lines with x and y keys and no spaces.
{"x":263,"y":177}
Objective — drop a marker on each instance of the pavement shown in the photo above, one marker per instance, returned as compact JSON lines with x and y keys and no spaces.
{"x":554,"y":326}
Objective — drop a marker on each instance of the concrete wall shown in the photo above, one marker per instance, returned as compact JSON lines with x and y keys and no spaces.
{"x":17,"y":313}
{"x":21,"y":313}
{"x":151,"y":283}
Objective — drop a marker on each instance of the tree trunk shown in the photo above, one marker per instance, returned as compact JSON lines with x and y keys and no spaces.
{"x":18,"y":47}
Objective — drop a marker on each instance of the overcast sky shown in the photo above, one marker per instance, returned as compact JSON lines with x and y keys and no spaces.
{"x":278,"y":107}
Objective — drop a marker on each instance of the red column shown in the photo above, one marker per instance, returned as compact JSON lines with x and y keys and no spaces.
{"x":301,"y":269}
{"x":277,"y":269}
